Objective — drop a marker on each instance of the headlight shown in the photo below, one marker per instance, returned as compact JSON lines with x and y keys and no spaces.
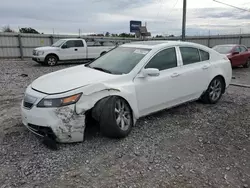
{"x":40,"y":52}
{"x":59,"y":102}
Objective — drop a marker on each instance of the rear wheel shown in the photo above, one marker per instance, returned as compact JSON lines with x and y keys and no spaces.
{"x":116,"y":119}
{"x":51,"y":60}
{"x":214,"y":91}
{"x":247,"y":64}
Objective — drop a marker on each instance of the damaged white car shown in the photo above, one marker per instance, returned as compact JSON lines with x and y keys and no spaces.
{"x":131,"y":81}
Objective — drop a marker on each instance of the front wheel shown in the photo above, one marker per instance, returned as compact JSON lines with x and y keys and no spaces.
{"x":116,"y":119}
{"x":214,"y":91}
{"x":51,"y":60}
{"x":247,"y":64}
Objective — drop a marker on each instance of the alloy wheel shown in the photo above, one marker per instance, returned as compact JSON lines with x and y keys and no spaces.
{"x":122,"y":115}
{"x":215,"y":90}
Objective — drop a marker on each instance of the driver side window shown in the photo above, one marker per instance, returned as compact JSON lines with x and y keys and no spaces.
{"x":70,"y":44}
{"x":165,"y":59}
{"x":237,"y":49}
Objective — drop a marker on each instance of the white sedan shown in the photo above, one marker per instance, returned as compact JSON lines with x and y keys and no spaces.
{"x":131,"y":81}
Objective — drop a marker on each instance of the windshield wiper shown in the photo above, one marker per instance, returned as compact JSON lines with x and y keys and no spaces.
{"x":101,"y":69}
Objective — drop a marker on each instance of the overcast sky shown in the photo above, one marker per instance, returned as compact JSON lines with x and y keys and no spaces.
{"x":100,"y":16}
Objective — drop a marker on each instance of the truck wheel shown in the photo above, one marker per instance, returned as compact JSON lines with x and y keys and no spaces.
{"x":51,"y":60}
{"x":247,"y":64}
{"x":116,"y":119}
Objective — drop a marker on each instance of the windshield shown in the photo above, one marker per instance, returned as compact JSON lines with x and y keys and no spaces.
{"x":223,"y":49}
{"x":58,"y":43}
{"x":120,"y":60}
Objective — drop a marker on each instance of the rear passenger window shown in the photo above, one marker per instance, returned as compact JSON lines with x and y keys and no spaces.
{"x":165,"y":59}
{"x":204,"y":55}
{"x":189,"y":55}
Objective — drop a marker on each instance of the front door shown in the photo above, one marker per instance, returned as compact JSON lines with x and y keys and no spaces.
{"x":159,"y":92}
{"x":69,"y":50}
{"x":245,"y":54}
{"x":237,"y":59}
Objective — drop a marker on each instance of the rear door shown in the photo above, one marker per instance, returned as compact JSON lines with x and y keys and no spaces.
{"x":195,"y":71}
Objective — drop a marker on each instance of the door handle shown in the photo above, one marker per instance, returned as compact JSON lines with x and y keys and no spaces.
{"x":205,"y":67}
{"x":175,"y":75}
{"x":75,"y":49}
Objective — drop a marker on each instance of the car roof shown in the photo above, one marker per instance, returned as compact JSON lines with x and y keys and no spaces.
{"x":72,"y":39}
{"x":160,"y":44}
{"x":228,"y":45}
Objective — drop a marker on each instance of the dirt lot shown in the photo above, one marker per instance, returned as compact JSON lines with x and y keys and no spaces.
{"x":193,"y":145}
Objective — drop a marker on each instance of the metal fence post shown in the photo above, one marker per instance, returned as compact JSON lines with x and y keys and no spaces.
{"x":51,"y":39}
{"x":20,"y":45}
{"x":208,"y":41}
{"x":240,"y":39}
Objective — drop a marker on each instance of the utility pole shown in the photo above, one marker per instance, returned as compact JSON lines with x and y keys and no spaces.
{"x":184,"y":20}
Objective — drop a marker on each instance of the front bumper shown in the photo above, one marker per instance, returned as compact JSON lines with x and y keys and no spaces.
{"x":62,"y":124}
{"x":38,"y":59}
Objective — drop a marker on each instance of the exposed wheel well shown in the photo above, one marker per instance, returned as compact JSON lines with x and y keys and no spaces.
{"x":224,"y":82}
{"x":103,"y":53}
{"x":53,"y":55}
{"x":97,"y":108}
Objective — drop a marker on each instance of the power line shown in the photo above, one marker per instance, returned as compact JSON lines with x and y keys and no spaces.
{"x":232,"y":6}
{"x":161,"y":2}
{"x":173,"y":8}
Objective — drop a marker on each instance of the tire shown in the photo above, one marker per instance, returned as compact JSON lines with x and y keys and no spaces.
{"x":116,"y":119}
{"x":247,"y":64}
{"x":214,"y":91}
{"x":51,"y":60}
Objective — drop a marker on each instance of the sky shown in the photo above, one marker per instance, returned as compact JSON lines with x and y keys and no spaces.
{"x":163,"y":17}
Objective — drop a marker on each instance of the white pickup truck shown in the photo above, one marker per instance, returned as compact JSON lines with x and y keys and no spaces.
{"x":68,"y":50}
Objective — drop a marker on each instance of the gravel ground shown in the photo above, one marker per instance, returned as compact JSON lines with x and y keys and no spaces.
{"x":193,"y":145}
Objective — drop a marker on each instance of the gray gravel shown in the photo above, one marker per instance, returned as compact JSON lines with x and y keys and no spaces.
{"x":193,"y":145}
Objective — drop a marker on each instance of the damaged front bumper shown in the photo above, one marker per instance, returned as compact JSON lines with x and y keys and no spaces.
{"x":62,"y":124}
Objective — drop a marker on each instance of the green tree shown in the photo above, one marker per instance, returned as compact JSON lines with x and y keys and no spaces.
{"x":7,"y":29}
{"x":28,"y":30}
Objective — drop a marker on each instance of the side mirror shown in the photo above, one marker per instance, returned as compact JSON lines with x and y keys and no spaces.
{"x":64,"y":46}
{"x":235,"y":53}
{"x":150,"y":72}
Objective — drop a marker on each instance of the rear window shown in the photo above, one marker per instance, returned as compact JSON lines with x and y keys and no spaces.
{"x":204,"y":55}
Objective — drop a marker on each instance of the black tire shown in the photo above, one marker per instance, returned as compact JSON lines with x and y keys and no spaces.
{"x":51,"y":60}
{"x":214,"y":91}
{"x":109,"y":118}
{"x":247,"y":64}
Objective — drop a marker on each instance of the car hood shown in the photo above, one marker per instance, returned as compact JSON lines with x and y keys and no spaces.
{"x":69,"y":79}
{"x":46,"y":48}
